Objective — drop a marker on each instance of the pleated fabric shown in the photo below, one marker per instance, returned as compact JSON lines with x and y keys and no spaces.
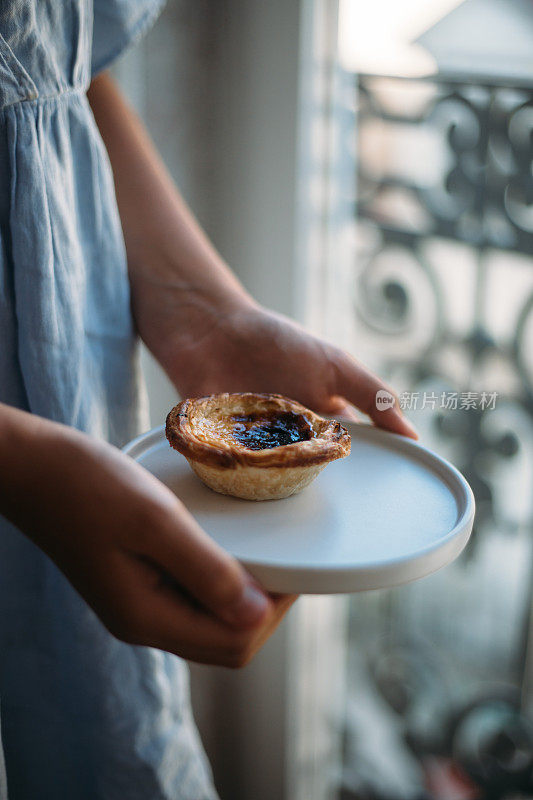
{"x":83,"y":716}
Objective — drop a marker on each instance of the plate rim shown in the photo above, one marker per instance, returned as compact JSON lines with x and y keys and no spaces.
{"x":458,"y":486}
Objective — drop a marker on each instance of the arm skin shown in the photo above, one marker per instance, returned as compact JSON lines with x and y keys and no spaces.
{"x":129,"y":546}
{"x":124,"y":541}
{"x":191,"y":311}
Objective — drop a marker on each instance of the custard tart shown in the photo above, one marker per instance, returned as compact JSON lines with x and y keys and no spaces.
{"x":254,"y":446}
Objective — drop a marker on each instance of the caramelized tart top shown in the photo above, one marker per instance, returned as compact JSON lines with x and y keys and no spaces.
{"x":263,"y":430}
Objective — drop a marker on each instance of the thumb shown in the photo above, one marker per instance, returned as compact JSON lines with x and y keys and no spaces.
{"x":361,"y":387}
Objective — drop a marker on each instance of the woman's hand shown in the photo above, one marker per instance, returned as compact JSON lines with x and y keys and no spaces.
{"x":191,"y":310}
{"x":129,"y":546}
{"x":238,"y":346}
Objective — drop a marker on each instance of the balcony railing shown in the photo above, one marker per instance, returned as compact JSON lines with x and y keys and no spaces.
{"x":441,"y":671}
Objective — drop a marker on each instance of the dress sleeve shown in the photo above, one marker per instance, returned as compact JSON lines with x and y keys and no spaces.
{"x":117,"y":24}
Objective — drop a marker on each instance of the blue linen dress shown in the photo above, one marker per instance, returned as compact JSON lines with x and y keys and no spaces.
{"x":83,"y":716}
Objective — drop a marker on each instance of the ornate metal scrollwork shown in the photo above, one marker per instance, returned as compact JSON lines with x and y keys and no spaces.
{"x":443,"y":299}
{"x":404,"y":288}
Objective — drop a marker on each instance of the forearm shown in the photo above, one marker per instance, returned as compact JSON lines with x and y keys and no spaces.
{"x":164,"y":242}
{"x":24,"y":438}
{"x":17,"y":430}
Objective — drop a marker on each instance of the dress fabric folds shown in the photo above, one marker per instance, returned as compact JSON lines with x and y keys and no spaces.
{"x":83,"y":716}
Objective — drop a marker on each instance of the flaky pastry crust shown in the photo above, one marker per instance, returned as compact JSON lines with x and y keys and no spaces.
{"x":220,"y":435}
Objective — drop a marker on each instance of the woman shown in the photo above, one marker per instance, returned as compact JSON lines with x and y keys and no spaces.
{"x":89,"y":223}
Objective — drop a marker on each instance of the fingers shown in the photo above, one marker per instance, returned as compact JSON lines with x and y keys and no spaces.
{"x":282,"y":605}
{"x":361,"y":387}
{"x":161,"y":617}
{"x":176,"y":543}
{"x":338,"y":407}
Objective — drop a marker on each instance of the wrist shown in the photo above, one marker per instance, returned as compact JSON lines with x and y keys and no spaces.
{"x":173,"y":309}
{"x":206,"y":278}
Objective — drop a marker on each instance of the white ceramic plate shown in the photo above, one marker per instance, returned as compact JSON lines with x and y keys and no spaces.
{"x":388,"y":514}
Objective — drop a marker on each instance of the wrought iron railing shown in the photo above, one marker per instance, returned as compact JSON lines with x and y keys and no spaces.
{"x":443,"y":303}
